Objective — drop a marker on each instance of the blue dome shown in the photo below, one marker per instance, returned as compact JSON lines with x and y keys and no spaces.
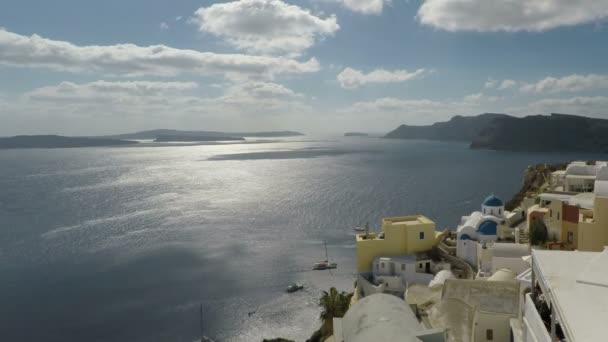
{"x":465,"y":236}
{"x":487,"y":227}
{"x":492,"y":201}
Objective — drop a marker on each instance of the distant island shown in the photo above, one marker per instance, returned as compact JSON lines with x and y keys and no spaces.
{"x":355,"y":134}
{"x":156,"y":133}
{"x":193,"y":138}
{"x":57,"y":141}
{"x":539,"y":133}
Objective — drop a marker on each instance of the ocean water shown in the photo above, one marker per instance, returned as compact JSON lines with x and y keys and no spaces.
{"x":125,"y":244}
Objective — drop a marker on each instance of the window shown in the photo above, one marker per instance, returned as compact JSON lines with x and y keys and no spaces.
{"x":489,"y":334}
{"x":499,"y":210}
{"x":382,"y":265}
{"x":403,"y":267}
{"x":551,"y":213}
{"x":570,"y":237}
{"x":421,"y":235}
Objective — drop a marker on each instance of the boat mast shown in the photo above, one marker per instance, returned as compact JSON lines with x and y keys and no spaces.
{"x":201,"y":323}
{"x":326,"y":257}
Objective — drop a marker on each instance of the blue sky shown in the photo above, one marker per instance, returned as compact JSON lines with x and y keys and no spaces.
{"x":320,"y":66}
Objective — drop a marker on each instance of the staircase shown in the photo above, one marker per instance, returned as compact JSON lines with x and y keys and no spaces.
{"x":523,"y":236}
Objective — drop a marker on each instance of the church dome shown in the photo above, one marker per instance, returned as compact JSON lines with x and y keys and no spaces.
{"x":492,"y":201}
{"x":487,"y":227}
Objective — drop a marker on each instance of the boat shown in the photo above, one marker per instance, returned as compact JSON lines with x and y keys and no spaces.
{"x":325,"y":264}
{"x":362,"y":229}
{"x":295,"y":287}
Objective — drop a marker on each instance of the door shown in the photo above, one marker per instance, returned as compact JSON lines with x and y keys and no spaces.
{"x":392,"y":268}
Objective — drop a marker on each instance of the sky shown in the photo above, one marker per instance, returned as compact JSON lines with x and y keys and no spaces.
{"x":78,"y":67}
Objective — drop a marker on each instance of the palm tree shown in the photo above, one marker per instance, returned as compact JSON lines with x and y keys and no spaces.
{"x":334,"y":304}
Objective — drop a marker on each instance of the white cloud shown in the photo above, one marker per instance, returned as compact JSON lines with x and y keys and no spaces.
{"x":507,"y":84}
{"x":351,"y":78}
{"x":423,"y":111}
{"x":101,"y":106}
{"x":164,"y":26}
{"x":365,"y":6}
{"x":512,"y":15}
{"x":580,"y":105}
{"x":480,"y":98}
{"x":134,"y":60}
{"x":490,"y":83}
{"x":107,"y":91}
{"x":265,"y":26}
{"x":571,"y":83}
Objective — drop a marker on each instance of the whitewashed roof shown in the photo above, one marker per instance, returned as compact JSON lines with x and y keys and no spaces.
{"x":569,"y":276}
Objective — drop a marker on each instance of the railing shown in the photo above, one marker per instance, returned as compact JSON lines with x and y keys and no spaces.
{"x":533,"y":323}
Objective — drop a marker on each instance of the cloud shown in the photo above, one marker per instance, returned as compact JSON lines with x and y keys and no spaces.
{"x":133,"y":60}
{"x":265,"y":26}
{"x":490,"y":83}
{"x":101,"y":106}
{"x":507,"y":84}
{"x":580,"y":105}
{"x":364,"y":6}
{"x":571,"y":83}
{"x":510,"y":16}
{"x":351,"y":78}
{"x":164,"y":26}
{"x":107,"y":91}
{"x":480,"y":98}
{"x":391,"y":111}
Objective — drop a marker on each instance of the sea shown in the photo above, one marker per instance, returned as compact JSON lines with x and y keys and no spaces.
{"x":129,"y":243}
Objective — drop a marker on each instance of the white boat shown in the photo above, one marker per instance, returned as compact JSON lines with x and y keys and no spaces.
{"x":362,"y":229}
{"x":325,"y":264}
{"x":295,"y":287}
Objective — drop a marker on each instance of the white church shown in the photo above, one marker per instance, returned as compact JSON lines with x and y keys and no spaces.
{"x":484,"y":226}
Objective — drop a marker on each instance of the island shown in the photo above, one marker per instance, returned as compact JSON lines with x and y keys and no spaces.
{"x":155,"y":133}
{"x":538,"y":133}
{"x":192,"y":138}
{"x":58,"y":141}
{"x":355,"y":134}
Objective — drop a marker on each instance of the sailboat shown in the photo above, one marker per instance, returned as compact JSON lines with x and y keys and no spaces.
{"x":362,"y":229}
{"x":325,"y":264}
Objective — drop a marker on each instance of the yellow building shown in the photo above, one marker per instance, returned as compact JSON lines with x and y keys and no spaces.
{"x":400,"y":235}
{"x":593,"y":228}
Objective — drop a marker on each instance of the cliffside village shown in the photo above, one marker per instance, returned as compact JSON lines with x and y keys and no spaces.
{"x":536,"y":273}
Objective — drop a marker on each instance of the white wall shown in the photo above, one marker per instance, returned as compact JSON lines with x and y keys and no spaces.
{"x":467,"y":251}
{"x":366,"y":288}
{"x":517,"y":265}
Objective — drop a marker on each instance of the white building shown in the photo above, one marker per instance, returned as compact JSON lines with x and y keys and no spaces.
{"x":496,"y":256}
{"x":383,"y":318}
{"x":580,"y":177}
{"x":486,"y":225}
{"x":477,"y":310}
{"x":393,"y":274}
{"x":570,"y":289}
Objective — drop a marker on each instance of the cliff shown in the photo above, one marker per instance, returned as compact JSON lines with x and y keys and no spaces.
{"x":557,"y":132}
{"x":57,"y":141}
{"x":459,"y":128}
